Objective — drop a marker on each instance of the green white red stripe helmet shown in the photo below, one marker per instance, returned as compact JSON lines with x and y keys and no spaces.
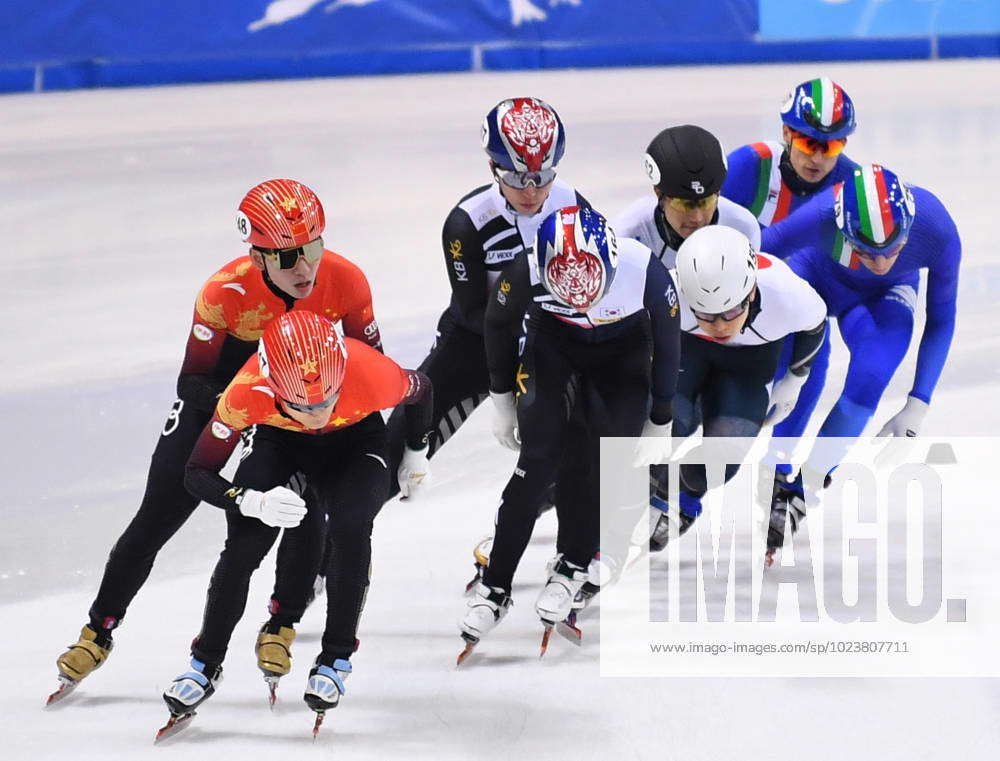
{"x":874,"y":210}
{"x":819,"y":109}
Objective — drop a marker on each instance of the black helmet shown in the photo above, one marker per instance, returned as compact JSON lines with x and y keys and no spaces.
{"x":685,"y":162}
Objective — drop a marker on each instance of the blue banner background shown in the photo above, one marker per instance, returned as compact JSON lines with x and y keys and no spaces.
{"x":828,"y":19}
{"x":85,"y":43}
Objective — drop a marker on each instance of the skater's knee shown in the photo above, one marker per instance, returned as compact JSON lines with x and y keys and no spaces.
{"x":244,"y":557}
{"x":694,"y":480}
{"x":863,"y":391}
{"x":350,"y":529}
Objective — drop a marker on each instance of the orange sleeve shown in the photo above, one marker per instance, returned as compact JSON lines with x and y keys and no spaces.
{"x":359,"y":315}
{"x":213,"y":448}
{"x":379,"y":381}
{"x":238,"y":408}
{"x":236,"y":405}
{"x":209,"y":307}
{"x":204,"y":348}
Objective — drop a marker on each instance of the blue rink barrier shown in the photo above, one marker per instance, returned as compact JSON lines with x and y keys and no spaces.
{"x":69,"y":44}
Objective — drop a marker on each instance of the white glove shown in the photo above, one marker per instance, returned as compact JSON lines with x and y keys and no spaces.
{"x":505,"y":420}
{"x":784,"y":394}
{"x":278,"y":507}
{"x":900,"y":434}
{"x":655,"y":445}
{"x":413,"y":471}
{"x":908,"y":420}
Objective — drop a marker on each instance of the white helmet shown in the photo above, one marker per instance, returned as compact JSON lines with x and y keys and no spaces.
{"x":716,"y":268}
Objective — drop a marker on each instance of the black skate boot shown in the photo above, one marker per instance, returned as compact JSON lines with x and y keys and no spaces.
{"x":690,"y":509}
{"x":788,"y":506}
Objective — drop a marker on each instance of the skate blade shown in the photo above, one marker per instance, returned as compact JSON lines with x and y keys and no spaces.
{"x":66,"y":687}
{"x":643,"y":552}
{"x":176,"y":723}
{"x":569,"y":630}
{"x":272,"y":690}
{"x":545,"y":639}
{"x":320,"y":715}
{"x":470,"y":645}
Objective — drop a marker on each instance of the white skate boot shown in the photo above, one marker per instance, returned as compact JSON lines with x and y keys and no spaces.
{"x":555,"y":602}
{"x":186,"y":693}
{"x":325,"y":688}
{"x":486,"y":609}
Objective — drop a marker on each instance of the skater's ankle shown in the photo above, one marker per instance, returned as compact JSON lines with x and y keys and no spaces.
{"x":330,"y":657}
{"x":102,"y":634}
{"x":275,"y":624}
{"x":207,"y":666}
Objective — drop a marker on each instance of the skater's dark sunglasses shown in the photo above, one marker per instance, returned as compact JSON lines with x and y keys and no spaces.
{"x":810,"y":145}
{"x":888,"y":253}
{"x":728,"y":315}
{"x":868,"y":249}
{"x":286,"y":258}
{"x":310,"y":409}
{"x":691,"y":204}
{"x":522,"y":180}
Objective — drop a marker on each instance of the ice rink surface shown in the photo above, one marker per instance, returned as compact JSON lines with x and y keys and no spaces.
{"x":117,"y":205}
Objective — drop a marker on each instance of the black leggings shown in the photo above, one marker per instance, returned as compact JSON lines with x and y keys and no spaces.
{"x":724,"y":389}
{"x":456,"y":366}
{"x":346,"y":473}
{"x":165,"y":507}
{"x":614,"y":383}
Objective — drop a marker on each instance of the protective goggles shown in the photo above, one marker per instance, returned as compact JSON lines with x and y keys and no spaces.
{"x":728,"y":315}
{"x":888,"y":252}
{"x":694,"y":204}
{"x":810,"y":145}
{"x":310,"y":409}
{"x":522,"y":180}
{"x":287,"y":258}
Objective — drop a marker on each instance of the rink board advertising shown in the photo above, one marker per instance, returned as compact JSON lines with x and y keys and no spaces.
{"x":84,"y":43}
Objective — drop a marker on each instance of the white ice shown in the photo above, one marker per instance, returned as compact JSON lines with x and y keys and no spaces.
{"x":116,"y":205}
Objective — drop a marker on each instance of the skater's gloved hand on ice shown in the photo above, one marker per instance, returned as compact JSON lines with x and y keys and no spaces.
{"x":278,"y":507}
{"x":505,"y":420}
{"x":655,"y":445}
{"x":901,"y":430}
{"x":908,"y":420}
{"x":413,"y":471}
{"x":784,"y":394}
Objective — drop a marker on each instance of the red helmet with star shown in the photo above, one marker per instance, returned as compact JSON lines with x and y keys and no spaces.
{"x":303,"y":358}
{"x":280,"y":214}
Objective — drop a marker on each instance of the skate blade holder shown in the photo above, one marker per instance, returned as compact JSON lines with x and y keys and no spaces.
{"x":175,"y":724}
{"x":271,"y":680}
{"x":570,"y":631}
{"x":470,"y":644}
{"x":66,"y":686}
{"x":320,"y":715}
